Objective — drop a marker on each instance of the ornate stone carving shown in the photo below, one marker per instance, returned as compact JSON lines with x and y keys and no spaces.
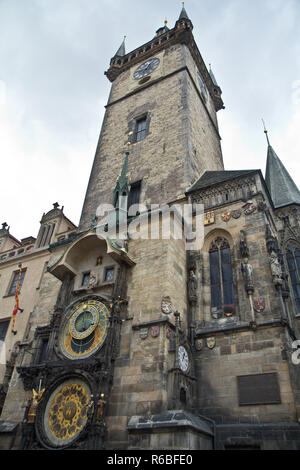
{"x":276,"y":269}
{"x":244,"y":250}
{"x":192,"y":287}
{"x":247,"y":272}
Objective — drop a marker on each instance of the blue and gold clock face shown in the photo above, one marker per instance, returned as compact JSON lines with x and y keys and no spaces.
{"x":84,"y":329}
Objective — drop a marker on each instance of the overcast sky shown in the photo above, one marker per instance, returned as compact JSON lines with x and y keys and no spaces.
{"x":53,"y":54}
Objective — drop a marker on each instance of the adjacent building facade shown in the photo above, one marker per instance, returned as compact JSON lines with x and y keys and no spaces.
{"x":144,"y":341}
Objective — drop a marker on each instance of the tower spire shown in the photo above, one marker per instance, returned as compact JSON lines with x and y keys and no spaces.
{"x":121,"y":51}
{"x":183,"y":14}
{"x":280,"y":184}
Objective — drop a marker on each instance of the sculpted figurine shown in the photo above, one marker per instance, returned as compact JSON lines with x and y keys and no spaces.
{"x":100,"y":407}
{"x":247,"y":271}
{"x":276,"y":269}
{"x":192,"y":286}
{"x":35,"y":400}
{"x":92,"y":281}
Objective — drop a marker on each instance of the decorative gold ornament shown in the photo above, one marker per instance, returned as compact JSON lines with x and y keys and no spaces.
{"x":36,"y":398}
{"x":209,"y":218}
{"x":68,"y":412}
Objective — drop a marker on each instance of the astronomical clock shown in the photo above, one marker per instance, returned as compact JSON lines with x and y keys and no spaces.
{"x":71,"y":382}
{"x":84,"y":329}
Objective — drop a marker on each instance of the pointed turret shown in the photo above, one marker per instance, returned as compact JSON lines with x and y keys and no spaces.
{"x":163,"y":29}
{"x":281,"y":186}
{"x":184,"y":20}
{"x":121,"y":51}
{"x":183,"y":14}
{"x":122,"y":187}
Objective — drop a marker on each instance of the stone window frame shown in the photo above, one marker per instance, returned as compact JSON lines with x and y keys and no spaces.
{"x":107,"y":268}
{"x":14,"y":276}
{"x":133,"y":127}
{"x":84,"y":274}
{"x":217,"y":245}
{"x":209,"y":238}
{"x":42,"y":337}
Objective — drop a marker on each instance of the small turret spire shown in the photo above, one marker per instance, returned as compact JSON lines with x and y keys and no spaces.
{"x":121,"y":51}
{"x":183,"y":14}
{"x":280,"y":184}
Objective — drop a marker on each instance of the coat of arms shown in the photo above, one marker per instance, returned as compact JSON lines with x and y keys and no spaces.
{"x":236,"y":214}
{"x":144,"y":333}
{"x":226,"y":216}
{"x":259,"y":305}
{"x":154,"y":331}
{"x":249,"y":207}
{"x":209,"y":218}
{"x":211,"y":342}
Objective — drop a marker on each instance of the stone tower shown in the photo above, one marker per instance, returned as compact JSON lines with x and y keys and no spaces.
{"x":164,"y":100}
{"x":139,"y":341}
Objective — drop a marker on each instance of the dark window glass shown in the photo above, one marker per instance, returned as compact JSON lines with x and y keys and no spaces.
{"x":85,"y":279}
{"x":3,"y":329}
{"x":134,"y":195}
{"x":43,"y":350}
{"x":221,"y":279}
{"x":216,"y":298}
{"x":109,"y":274}
{"x":14,"y":283}
{"x":141,"y":126}
{"x":293,"y":262}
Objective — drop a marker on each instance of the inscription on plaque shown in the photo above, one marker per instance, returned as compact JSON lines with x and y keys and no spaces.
{"x":260,"y":389}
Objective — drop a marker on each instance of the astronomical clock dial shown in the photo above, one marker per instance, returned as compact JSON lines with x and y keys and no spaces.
{"x":84,"y":329}
{"x":146,"y":68}
{"x":183,"y":359}
{"x":65,"y":413}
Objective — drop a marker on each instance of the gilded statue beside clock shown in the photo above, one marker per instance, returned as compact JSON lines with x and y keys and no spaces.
{"x":84,"y":329}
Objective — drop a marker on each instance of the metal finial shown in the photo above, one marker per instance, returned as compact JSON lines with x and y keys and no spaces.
{"x":265,"y":131}
{"x":166,"y":21}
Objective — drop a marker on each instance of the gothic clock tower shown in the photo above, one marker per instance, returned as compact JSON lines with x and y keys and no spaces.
{"x":164,"y":100}
{"x":117,"y":349}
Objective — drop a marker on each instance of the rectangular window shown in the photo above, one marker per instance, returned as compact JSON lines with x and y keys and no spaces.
{"x":85,"y":279}
{"x":259,"y":389}
{"x":3,"y":329}
{"x":134,"y":195}
{"x":141,"y":127}
{"x":43,"y":350}
{"x":109,"y":274}
{"x":14,"y":282}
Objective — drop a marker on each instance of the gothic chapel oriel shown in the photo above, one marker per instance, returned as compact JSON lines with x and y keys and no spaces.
{"x":138,"y":342}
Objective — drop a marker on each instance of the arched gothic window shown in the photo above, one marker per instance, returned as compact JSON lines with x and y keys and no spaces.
{"x":293,"y":262}
{"x":221,"y":278}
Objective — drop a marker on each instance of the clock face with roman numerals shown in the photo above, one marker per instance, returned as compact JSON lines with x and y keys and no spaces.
{"x":183,"y":359}
{"x":146,"y":68}
{"x":84,"y":329}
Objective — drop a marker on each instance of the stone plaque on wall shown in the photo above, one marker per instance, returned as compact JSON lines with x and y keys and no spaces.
{"x":259,"y":389}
